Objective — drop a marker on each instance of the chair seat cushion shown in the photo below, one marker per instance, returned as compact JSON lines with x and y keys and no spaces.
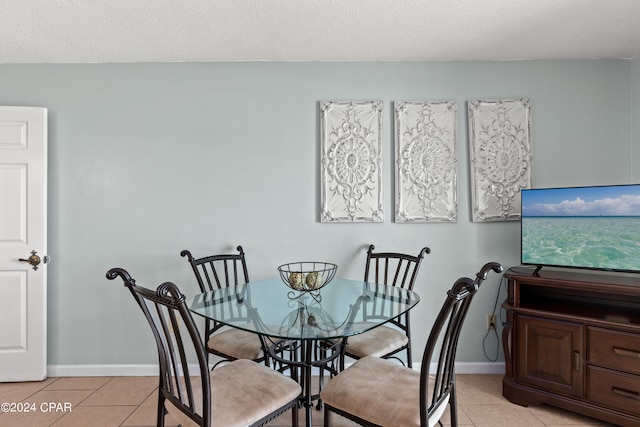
{"x":376,"y":342}
{"x":236,"y":343}
{"x":378,"y":391}
{"x":242,"y":392}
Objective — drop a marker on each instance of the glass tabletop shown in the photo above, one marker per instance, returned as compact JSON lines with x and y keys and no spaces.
{"x":271,"y":308}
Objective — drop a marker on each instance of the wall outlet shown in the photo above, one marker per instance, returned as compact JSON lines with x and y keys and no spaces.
{"x":491,"y":321}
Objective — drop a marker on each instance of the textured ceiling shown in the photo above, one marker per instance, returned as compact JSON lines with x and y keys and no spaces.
{"x":59,"y":31}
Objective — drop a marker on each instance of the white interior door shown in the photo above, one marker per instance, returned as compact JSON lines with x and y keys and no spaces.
{"x":23,"y":229}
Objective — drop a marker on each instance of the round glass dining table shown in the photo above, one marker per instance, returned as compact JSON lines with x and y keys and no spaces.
{"x":314,"y":323}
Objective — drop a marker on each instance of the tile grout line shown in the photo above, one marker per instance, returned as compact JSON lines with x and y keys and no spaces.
{"x":93,"y":391}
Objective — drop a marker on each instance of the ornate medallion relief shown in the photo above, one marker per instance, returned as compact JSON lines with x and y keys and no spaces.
{"x":351,"y":161}
{"x":426,"y":161}
{"x":501,"y":157}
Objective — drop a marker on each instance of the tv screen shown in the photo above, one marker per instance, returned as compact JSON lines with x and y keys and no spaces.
{"x":582,"y":227}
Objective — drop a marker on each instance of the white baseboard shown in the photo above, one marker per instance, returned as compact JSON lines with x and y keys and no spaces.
{"x":102,"y":370}
{"x":480,"y":368}
{"x":152,"y":370}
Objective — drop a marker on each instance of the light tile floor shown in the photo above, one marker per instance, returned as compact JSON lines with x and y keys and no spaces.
{"x":131,"y":402}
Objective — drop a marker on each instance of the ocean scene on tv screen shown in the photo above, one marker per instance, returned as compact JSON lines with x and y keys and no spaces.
{"x":590,"y":227}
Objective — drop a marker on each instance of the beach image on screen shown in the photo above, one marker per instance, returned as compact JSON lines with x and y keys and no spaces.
{"x":591,"y":227}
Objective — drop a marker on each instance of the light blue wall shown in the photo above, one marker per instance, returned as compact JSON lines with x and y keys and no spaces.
{"x":149,"y":159}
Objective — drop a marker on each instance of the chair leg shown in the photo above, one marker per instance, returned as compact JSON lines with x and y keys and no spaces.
{"x":161,"y":410}
{"x":320,"y":385}
{"x":408,"y":332}
{"x":343,"y":354}
{"x":294,"y":415}
{"x":323,"y":355}
{"x":327,"y":416}
{"x":453,"y":406}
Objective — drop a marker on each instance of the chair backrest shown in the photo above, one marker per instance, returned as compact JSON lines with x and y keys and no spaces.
{"x":444,"y":338}
{"x":218,"y":271}
{"x":392,"y":268}
{"x":176,"y":337}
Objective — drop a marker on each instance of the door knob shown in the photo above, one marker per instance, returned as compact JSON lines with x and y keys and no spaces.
{"x":34,"y":260}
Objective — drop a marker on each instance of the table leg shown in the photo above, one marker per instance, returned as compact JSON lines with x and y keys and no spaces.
{"x":307,"y":347}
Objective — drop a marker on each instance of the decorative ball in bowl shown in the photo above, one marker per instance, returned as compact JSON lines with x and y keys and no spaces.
{"x":307,"y":275}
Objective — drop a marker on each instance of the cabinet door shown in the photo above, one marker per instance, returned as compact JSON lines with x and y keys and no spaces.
{"x":550,"y":355}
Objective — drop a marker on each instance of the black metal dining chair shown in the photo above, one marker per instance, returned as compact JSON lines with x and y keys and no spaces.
{"x":378,"y":392}
{"x":216,"y":272}
{"x":239,"y":393}
{"x":388,"y":268}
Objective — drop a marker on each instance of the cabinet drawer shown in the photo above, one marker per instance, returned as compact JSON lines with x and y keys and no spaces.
{"x":613,"y":389}
{"x":614,"y":349}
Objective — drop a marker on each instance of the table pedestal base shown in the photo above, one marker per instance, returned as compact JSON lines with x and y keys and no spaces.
{"x":299,"y":358}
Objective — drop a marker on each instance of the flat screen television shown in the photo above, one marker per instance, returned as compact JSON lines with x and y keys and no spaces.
{"x":582,"y":227}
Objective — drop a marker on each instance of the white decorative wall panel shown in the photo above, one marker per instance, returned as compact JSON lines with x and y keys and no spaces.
{"x":351,"y":161}
{"x":426,"y":161}
{"x":501,"y":157}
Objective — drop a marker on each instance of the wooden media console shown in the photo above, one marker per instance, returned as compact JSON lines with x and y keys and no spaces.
{"x":572,"y":340}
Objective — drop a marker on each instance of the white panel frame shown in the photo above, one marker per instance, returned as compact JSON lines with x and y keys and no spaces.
{"x":351,"y":161}
{"x":426,"y":161}
{"x":501,"y":157}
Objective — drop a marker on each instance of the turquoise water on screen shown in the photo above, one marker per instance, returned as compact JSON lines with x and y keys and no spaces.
{"x":609,"y":242}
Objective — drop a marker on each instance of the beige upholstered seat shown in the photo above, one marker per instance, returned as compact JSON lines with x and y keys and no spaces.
{"x":242,"y":391}
{"x":239,"y":393}
{"x":379,"y":392}
{"x":237,"y":344}
{"x":377,"y":342}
